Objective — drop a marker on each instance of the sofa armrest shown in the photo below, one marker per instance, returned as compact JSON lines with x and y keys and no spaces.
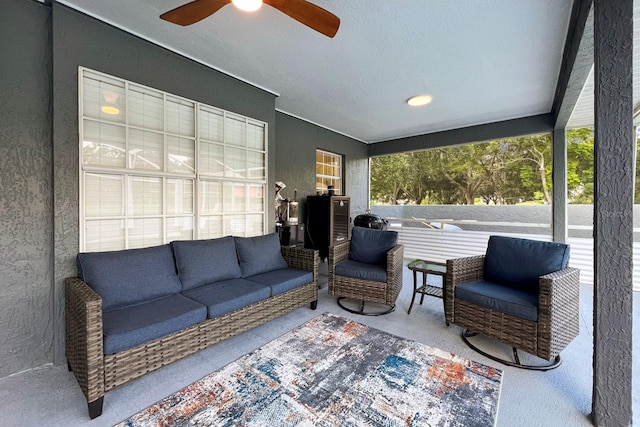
{"x":301,"y":259}
{"x":460,"y":271}
{"x":84,"y":345}
{"x":558,"y":310}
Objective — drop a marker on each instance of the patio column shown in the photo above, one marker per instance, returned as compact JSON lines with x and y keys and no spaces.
{"x":559,"y":218}
{"x":613,"y":213}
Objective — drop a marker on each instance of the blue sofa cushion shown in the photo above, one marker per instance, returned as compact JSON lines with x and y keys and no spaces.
{"x":205,"y":261}
{"x":370,"y":246}
{"x":500,"y":298}
{"x":519,"y":263}
{"x":259,"y":254}
{"x":282,"y":280}
{"x":131,"y":276}
{"x":360,"y":270}
{"x":228,"y":295}
{"x":128,"y":327}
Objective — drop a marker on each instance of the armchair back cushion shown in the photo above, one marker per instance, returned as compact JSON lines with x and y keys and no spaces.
{"x":201,"y":262}
{"x":127,"y":277}
{"x":370,"y":246}
{"x":519,"y":263}
{"x":259,"y":254}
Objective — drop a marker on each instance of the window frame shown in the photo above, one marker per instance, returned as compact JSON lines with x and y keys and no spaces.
{"x":324,"y":177}
{"x":246,"y":150}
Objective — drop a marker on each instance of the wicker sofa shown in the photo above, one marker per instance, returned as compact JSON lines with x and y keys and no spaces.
{"x":133,"y":311}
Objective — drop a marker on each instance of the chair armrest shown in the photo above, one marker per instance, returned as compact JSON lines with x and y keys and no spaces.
{"x":338,"y":253}
{"x":395,"y":258}
{"x":460,"y":271}
{"x":302,"y":259}
{"x":84,"y":345}
{"x":558,"y":309}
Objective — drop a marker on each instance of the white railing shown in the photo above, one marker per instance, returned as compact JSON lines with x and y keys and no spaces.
{"x":442,"y":244}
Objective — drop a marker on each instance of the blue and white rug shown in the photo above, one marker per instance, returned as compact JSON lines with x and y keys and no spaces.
{"x":332,"y":371}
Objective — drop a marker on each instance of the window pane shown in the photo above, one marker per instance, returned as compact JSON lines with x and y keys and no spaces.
{"x":211,"y":227}
{"x":104,"y":235}
{"x":255,"y":136}
{"x":103,"y":195}
{"x":146,"y":108}
{"x":235,"y":131}
{"x":145,"y":232}
{"x":255,"y":225}
{"x":211,"y":159}
{"x":103,"y":144}
{"x":146,"y":150}
{"x":180,"y":117}
{"x":234,"y":198}
{"x":181,"y":153}
{"x":103,"y":97}
{"x":256,"y":198}
{"x":180,"y":228}
{"x":179,"y":197}
{"x":210,"y":197}
{"x":145,"y":196}
{"x":211,"y":125}
{"x":255,"y":165}
{"x":235,"y":225}
{"x":235,"y":163}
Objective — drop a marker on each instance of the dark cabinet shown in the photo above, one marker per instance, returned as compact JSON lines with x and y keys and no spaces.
{"x":327,"y":222}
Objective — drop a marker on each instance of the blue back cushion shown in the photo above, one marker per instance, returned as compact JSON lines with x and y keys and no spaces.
{"x":370,"y":246}
{"x":518,"y":263}
{"x":259,"y":254}
{"x":201,"y":262}
{"x":132,"y":276}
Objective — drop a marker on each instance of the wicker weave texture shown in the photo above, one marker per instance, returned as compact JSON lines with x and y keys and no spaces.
{"x":367,"y":290}
{"x":558,"y":310}
{"x":84,"y":345}
{"x":97,"y":373}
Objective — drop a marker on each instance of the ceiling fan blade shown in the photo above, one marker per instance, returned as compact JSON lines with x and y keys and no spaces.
{"x":308,"y":14}
{"x":193,"y":12}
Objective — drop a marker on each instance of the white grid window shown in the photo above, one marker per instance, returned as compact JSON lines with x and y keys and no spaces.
{"x":328,"y":172}
{"x":155,"y":167}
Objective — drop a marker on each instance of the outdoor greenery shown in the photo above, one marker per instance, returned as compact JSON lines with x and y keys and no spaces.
{"x":507,"y":171}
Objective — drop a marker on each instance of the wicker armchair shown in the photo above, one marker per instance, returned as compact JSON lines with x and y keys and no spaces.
{"x":377,"y":282}
{"x":546,"y":328}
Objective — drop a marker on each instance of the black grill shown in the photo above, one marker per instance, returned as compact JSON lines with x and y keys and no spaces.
{"x":370,"y":221}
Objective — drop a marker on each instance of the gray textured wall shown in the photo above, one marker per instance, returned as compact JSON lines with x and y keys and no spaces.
{"x":25,"y":187}
{"x":295,"y":154}
{"x":83,"y":41}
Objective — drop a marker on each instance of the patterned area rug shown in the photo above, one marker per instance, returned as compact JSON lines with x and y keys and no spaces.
{"x":332,"y":371}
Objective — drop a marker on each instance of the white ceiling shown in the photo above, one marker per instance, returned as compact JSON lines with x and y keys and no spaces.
{"x":481,"y":60}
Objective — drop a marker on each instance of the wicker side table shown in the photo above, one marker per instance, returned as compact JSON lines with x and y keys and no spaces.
{"x":427,"y":267}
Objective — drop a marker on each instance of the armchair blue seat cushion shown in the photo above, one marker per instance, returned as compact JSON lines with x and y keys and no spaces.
{"x":282,"y":280}
{"x":129,"y":277}
{"x":362,"y":271}
{"x":205,"y":261}
{"x":500,"y":298}
{"x":128,"y":327}
{"x":518,"y":263}
{"x":228,"y":295}
{"x":370,"y":246}
{"x":259,"y":254}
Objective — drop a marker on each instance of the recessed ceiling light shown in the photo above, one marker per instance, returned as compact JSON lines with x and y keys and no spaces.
{"x":416,"y":101}
{"x":247,"y":5}
{"x":108,"y":109}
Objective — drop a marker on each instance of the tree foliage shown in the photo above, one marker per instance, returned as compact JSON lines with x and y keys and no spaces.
{"x":506,"y":171}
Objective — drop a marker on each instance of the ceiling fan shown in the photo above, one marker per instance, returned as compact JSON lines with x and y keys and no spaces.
{"x":302,"y":11}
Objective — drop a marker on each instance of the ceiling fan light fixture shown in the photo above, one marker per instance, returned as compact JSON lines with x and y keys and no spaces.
{"x":419,"y":100}
{"x":247,"y":5}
